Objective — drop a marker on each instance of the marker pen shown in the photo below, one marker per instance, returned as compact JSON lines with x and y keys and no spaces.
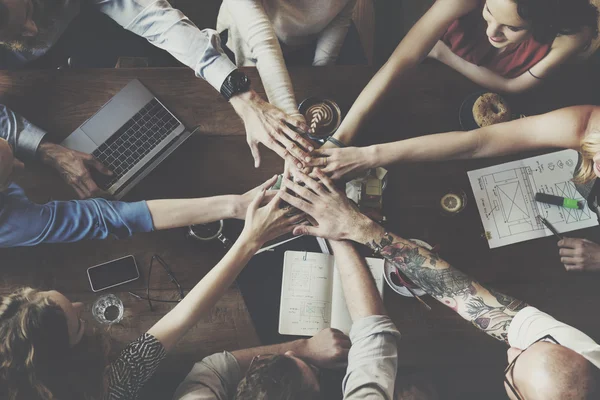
{"x":558,"y":201}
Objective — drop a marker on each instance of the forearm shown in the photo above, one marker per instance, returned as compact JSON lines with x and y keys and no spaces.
{"x":362,"y":297}
{"x":332,"y":38}
{"x":244,"y":357}
{"x":488,"y":310}
{"x":171,"y":328}
{"x":175,"y":213}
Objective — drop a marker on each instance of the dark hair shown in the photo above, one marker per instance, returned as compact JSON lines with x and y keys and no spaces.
{"x":36,"y":360}
{"x":551,"y":18}
{"x":274,"y":377}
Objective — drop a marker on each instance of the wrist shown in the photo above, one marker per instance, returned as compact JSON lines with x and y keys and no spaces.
{"x":366,"y":231}
{"x":44,"y":151}
{"x":237,"y":207}
{"x":247,"y":243}
{"x":368,"y":157}
{"x":243,"y":101}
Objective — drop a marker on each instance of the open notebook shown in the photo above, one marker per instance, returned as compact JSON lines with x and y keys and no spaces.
{"x":311,"y":293}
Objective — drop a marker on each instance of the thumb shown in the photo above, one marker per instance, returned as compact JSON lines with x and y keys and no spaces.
{"x":255,"y":153}
{"x":99,"y":166}
{"x":306,"y":230}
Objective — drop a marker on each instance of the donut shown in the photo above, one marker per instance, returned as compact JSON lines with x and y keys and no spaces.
{"x":490,"y":109}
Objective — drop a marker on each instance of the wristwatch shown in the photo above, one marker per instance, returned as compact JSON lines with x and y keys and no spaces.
{"x":236,"y":82}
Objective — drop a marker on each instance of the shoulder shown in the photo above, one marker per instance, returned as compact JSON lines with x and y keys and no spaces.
{"x":576,"y":43}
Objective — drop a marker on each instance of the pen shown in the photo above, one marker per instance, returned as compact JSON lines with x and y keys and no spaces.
{"x":558,"y":201}
{"x":549,"y":226}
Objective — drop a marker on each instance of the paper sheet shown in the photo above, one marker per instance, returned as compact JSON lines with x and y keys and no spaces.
{"x":505,"y":198}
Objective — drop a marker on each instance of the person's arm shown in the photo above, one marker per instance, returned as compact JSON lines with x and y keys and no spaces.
{"x":373,"y":357}
{"x":262,"y":224}
{"x":175,"y":213}
{"x":563,"y":49}
{"x":28,"y":142}
{"x":415,"y":46}
{"x":360,"y":292}
{"x":332,"y":38}
{"x":337,"y":219}
{"x":564,"y":128}
{"x":254,"y":26}
{"x":24,"y":223}
{"x":167,"y":28}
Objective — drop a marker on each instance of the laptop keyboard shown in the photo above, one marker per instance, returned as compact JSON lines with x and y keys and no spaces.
{"x":128,"y":145}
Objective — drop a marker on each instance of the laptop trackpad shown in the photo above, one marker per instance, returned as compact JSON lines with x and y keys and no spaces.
{"x":79,"y":141}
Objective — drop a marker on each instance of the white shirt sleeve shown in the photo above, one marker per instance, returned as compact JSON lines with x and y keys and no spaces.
{"x":530,"y":324}
{"x":373,"y":359}
{"x":332,"y":37}
{"x":167,"y":28}
{"x":254,"y":26}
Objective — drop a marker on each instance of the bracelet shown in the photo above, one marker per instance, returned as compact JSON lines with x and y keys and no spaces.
{"x":536,"y":77}
{"x":335,"y":142}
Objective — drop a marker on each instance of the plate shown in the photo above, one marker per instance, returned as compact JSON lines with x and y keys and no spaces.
{"x":388,"y":269}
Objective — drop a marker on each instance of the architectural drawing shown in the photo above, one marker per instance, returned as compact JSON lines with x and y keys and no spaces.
{"x":505,"y":196}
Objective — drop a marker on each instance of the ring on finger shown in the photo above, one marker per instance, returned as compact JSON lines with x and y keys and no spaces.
{"x":324,"y":161}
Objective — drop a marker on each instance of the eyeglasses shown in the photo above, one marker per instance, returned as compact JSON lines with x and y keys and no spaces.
{"x":511,"y":366}
{"x":172,"y":277}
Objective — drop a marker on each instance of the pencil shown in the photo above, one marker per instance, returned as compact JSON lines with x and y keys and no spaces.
{"x":549,"y":226}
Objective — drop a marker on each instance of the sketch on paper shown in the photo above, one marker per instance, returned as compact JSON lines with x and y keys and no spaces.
{"x":505,"y":196}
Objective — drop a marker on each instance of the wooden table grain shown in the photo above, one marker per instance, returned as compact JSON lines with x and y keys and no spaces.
{"x":217,"y":160}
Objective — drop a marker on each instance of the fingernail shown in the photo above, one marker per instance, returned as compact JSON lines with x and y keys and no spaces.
{"x":299,"y":165}
{"x":310,"y":148}
{"x":307,"y":159}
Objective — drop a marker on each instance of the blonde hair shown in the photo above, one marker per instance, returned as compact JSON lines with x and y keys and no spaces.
{"x":36,"y":359}
{"x":590,"y":146}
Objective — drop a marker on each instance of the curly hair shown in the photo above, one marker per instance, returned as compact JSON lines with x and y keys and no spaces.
{"x":551,"y":18}
{"x":275,"y":377}
{"x":36,"y":359}
{"x":590,"y":145}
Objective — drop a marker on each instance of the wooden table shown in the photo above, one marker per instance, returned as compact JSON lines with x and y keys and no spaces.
{"x":218,"y":161}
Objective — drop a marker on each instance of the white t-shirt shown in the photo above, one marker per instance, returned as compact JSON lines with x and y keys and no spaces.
{"x":530,"y":324}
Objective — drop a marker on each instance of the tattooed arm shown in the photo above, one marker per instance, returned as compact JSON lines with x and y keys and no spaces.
{"x":490,"y":311}
{"x":337,"y":219}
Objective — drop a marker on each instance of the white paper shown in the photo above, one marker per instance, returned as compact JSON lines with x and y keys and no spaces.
{"x":305,"y":306}
{"x":505,"y":196}
{"x":312,"y":297}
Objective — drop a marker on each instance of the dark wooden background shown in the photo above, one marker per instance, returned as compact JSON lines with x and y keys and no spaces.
{"x":464,"y":362}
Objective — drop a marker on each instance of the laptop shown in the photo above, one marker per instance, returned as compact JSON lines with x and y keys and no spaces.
{"x":131,"y":135}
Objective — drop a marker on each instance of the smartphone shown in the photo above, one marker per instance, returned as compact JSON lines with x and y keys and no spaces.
{"x":113,"y":273}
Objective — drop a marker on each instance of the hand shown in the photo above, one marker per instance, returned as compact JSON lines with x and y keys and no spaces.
{"x":579,"y":254}
{"x":327,"y":349}
{"x":74,"y":168}
{"x":341,"y":162}
{"x":337,"y":217}
{"x":244,"y":200}
{"x":270,"y":221}
{"x":266,"y":124}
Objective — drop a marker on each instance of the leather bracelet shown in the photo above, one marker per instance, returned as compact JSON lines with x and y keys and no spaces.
{"x":335,"y":142}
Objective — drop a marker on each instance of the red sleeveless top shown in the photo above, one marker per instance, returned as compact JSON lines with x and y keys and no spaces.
{"x":467,"y":39}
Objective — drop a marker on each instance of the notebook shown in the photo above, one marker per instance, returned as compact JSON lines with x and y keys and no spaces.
{"x":312,"y":298}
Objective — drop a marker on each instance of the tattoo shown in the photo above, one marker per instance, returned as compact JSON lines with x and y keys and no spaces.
{"x":492,"y":320}
{"x":452,"y":287}
{"x":385,"y":241}
{"x":447,"y":282}
{"x":510,"y":303}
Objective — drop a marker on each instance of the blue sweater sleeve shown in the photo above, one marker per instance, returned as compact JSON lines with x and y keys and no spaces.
{"x":24,"y":223}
